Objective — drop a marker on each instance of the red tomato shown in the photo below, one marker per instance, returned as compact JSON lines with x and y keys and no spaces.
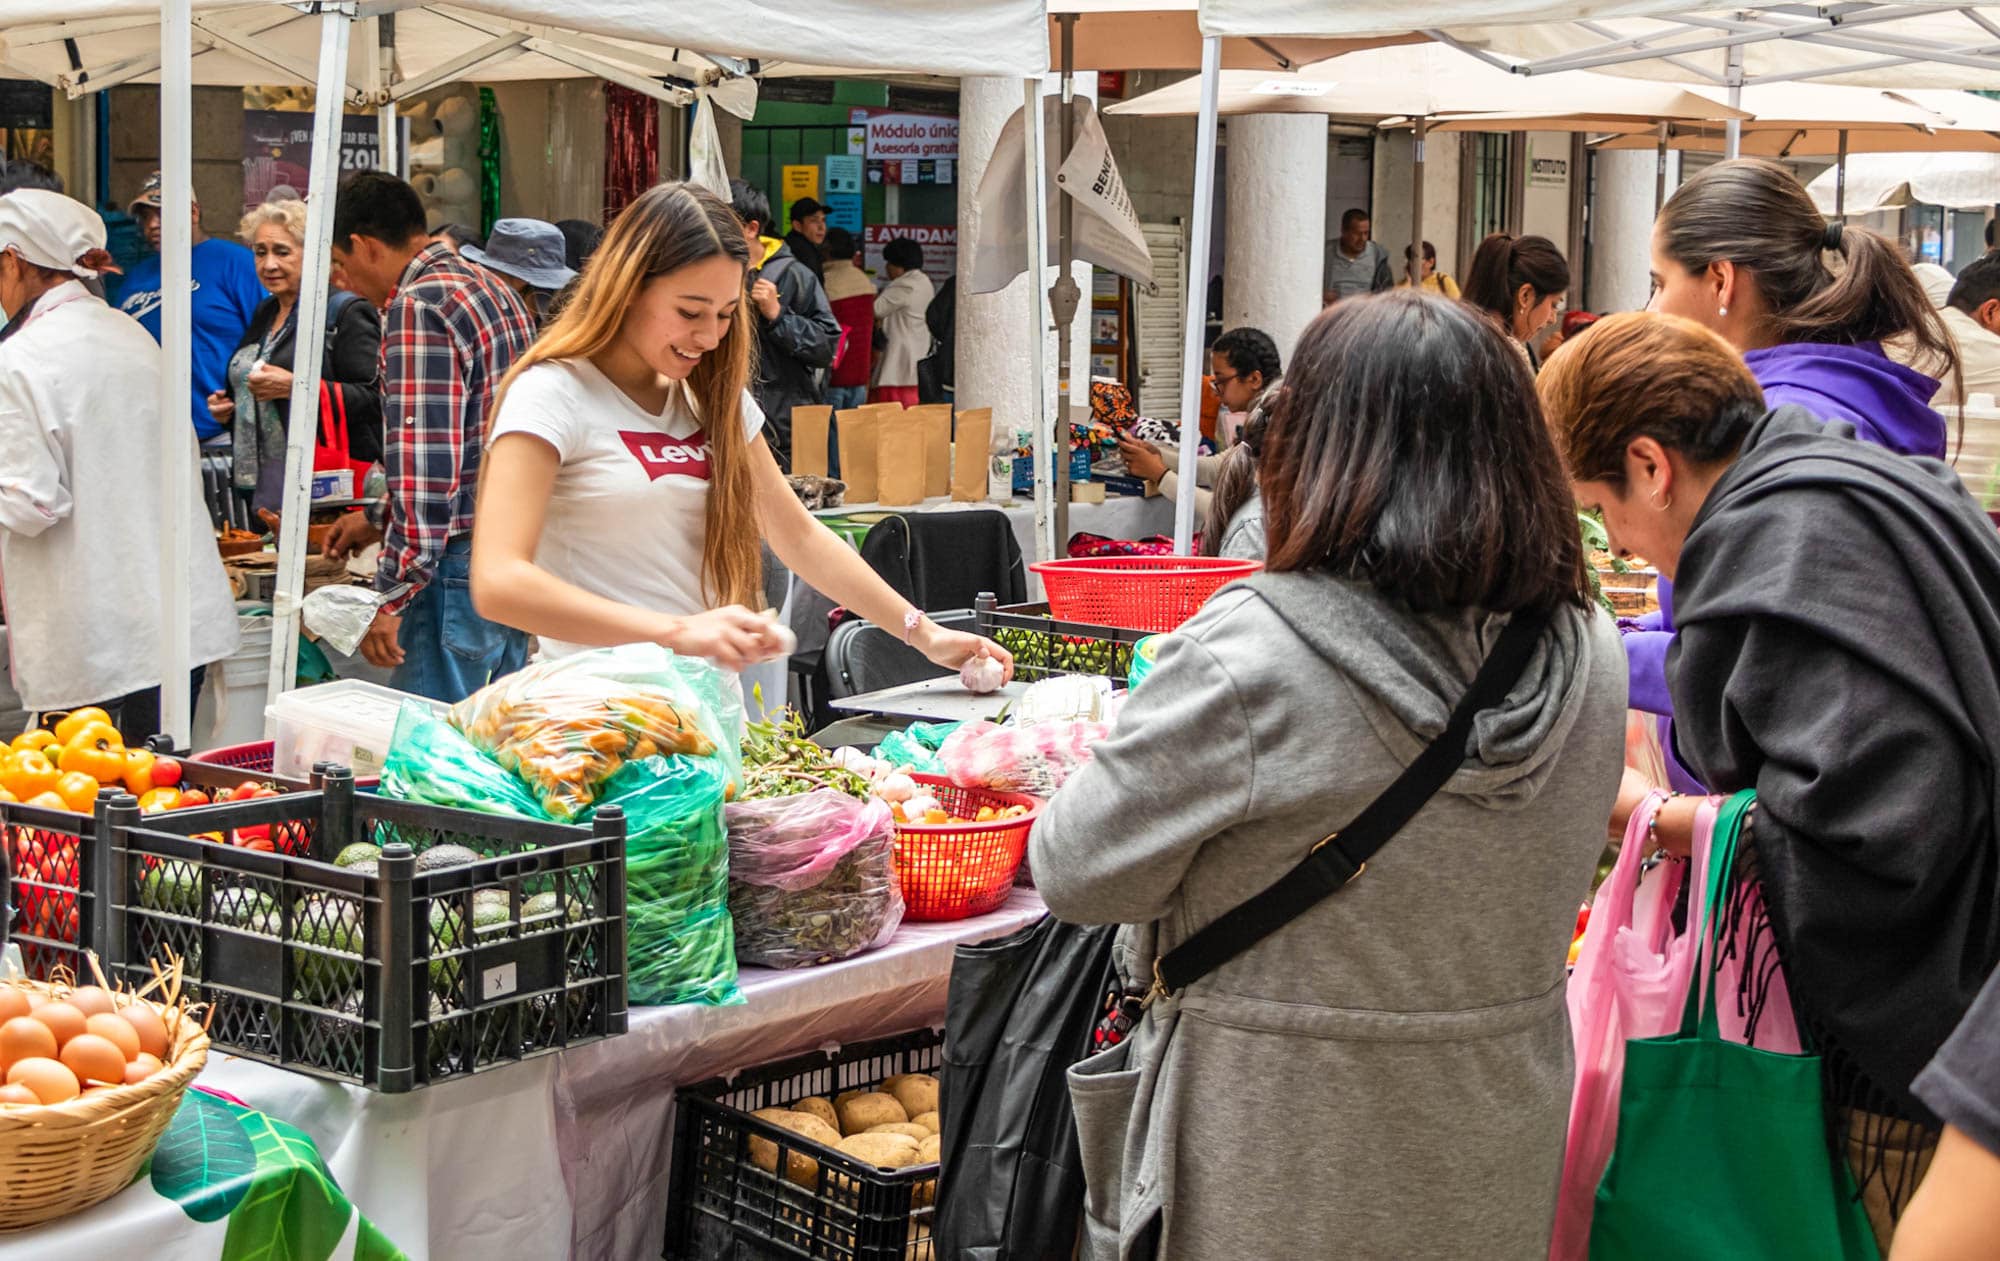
{"x":193,"y":797}
{"x":258,"y":837}
{"x":244,"y":791}
{"x":166,"y":772}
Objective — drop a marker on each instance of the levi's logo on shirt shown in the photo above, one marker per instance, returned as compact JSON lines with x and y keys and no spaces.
{"x":663,"y":454}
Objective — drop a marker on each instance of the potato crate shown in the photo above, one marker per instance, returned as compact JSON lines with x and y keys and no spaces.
{"x":725,"y":1206}
{"x":1044,"y":645}
{"x":61,"y":894}
{"x":425,"y":966}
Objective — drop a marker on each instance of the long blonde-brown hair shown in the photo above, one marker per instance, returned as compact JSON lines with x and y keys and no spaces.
{"x":670,"y":227}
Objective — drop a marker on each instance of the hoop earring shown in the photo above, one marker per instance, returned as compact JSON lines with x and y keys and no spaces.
{"x":1663,"y":507}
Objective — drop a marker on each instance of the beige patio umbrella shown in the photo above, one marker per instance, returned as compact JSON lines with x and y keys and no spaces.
{"x":1891,"y":181}
{"x":1164,"y":35}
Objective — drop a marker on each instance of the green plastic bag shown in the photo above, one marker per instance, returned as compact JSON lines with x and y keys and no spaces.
{"x":916,"y":747}
{"x":680,"y":940}
{"x":431,"y":761}
{"x":1722,"y":1148}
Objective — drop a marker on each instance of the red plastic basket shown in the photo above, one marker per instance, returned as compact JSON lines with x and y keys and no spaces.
{"x":959,"y":870}
{"x":1144,"y":593}
{"x":258,"y":756}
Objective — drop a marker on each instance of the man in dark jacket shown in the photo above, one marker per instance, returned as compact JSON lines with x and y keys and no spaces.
{"x":796,"y":331}
{"x":808,"y":235}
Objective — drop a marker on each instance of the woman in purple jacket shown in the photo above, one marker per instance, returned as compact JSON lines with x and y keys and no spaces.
{"x":1741,"y":249}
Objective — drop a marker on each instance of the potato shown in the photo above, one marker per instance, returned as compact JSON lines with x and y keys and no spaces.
{"x":929,"y":1150}
{"x":905,"y":1128}
{"x":799,"y":1167}
{"x":918,"y":1093}
{"x":819,"y":1108}
{"x":859,"y":1112}
{"x":919,"y":1247}
{"x":929,"y":1120}
{"x":884,"y":1151}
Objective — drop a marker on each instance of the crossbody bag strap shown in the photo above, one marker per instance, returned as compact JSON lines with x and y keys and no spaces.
{"x":1341,"y":857}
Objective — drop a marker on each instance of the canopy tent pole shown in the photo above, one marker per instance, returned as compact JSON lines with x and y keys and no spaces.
{"x":1045,"y":543}
{"x":388,"y":131}
{"x":1734,"y":126}
{"x":178,"y":478}
{"x":324,"y":177}
{"x":1416,"y":268}
{"x":1200,"y":225}
{"x":1840,"y":178}
{"x":1660,"y":171}
{"x":1064,"y":294}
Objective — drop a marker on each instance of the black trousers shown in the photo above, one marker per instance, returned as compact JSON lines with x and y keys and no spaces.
{"x":137,"y":715}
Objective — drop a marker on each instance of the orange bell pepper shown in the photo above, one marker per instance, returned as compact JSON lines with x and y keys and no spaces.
{"x":78,"y":791}
{"x":139,"y":771}
{"x":29,"y":776}
{"x":97,"y":751}
{"x":159,"y":799}
{"x":39,"y":738}
{"x":77,"y":720}
{"x":46,"y":801}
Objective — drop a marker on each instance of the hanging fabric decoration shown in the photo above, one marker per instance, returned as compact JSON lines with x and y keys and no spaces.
{"x":631,"y":146}
{"x":489,"y":161}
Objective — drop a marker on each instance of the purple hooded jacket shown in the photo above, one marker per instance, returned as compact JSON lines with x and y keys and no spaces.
{"x":1887,"y":403}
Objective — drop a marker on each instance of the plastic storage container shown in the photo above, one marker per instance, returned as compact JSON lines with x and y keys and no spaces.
{"x":723,"y":1204}
{"x":350,"y":722}
{"x":415,"y":972}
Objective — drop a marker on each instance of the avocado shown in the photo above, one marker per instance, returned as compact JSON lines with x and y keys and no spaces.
{"x":356,"y":853}
{"x":245,"y":908}
{"x":172,"y":887}
{"x":543,"y":906}
{"x":439,"y":857}
{"x":330,"y":923}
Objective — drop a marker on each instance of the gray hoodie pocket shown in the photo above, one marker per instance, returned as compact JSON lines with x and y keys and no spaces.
{"x":1104,"y":1089}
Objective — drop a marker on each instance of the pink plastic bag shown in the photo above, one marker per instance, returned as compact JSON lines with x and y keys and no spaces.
{"x":812,"y":878}
{"x":1036,"y":759}
{"x":1630,"y":981}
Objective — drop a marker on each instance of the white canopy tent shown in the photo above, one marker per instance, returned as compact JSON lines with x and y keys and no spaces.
{"x":637,"y":43}
{"x":1890,"y":181}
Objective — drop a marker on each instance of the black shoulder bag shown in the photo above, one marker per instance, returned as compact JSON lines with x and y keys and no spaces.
{"x":1019,"y":1011}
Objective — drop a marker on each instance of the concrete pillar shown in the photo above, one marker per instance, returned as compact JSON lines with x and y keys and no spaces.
{"x":1395,"y":159}
{"x":993,"y":367}
{"x":1621,"y":229}
{"x":1276,"y":221}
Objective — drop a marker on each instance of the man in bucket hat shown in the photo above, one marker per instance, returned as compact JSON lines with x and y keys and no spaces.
{"x":530,"y":255}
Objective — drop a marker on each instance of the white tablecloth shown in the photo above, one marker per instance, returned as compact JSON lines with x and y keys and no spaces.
{"x":567,"y":1155}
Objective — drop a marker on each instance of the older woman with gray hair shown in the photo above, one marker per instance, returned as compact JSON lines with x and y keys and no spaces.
{"x":257,"y":403}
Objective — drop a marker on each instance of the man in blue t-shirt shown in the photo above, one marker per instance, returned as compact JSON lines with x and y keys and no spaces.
{"x":226,"y":292}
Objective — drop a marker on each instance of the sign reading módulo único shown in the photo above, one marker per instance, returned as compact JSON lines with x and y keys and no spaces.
{"x":914,"y":136}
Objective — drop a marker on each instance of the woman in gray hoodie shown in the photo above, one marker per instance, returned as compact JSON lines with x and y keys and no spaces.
{"x":1387,"y":1076}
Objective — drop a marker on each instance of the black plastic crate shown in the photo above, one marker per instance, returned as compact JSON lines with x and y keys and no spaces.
{"x":722,"y":1205}
{"x":1044,"y":645}
{"x":60,"y":897}
{"x":394,"y":978}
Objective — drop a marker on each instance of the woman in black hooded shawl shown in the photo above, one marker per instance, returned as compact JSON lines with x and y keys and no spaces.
{"x":1839,"y":652}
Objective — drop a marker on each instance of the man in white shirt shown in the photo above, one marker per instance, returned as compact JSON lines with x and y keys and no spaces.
{"x":1972,"y":313}
{"x":80,"y":496}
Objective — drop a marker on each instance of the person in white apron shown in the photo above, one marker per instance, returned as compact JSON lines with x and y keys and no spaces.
{"x":80,"y":496}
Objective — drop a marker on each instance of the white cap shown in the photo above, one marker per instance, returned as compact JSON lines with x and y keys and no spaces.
{"x":52,"y":231}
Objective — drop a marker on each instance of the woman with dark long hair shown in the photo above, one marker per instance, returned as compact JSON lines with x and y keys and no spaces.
{"x":628,"y":491}
{"x":1410,"y":1027}
{"x":1520,"y":282}
{"x":1839,"y":652}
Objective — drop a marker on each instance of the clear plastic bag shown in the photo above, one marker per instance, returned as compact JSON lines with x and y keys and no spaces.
{"x":431,"y":761}
{"x":567,"y":727}
{"x":1036,"y":759}
{"x":680,"y":943}
{"x":812,"y":878}
{"x":341,"y":614}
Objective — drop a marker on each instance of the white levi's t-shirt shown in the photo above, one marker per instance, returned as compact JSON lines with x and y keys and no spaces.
{"x":625,"y":520}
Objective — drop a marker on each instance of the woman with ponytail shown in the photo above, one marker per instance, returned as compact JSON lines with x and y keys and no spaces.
{"x":1742,"y":250}
{"x":628,"y":490}
{"x":1520,"y":282}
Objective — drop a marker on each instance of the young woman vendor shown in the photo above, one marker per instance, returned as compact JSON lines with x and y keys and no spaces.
{"x":627,"y":488}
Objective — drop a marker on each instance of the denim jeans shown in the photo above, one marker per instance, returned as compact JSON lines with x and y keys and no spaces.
{"x":449,"y":651}
{"x":840,"y":398}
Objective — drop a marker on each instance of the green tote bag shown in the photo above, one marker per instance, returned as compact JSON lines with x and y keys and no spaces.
{"x":1722,"y":1148}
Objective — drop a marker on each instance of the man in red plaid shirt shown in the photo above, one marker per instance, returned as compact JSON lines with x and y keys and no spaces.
{"x":450,"y":332}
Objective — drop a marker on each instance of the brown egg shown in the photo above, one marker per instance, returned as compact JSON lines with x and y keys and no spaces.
{"x":63,"y":1020}
{"x":51,"y":1082}
{"x":20,"y":1095}
{"x":14,"y":1001}
{"x":116,"y":1029}
{"x":141,"y":1067}
{"x":25,"y":1038}
{"x":90,"y":1000}
{"x":146,"y":1022}
{"x":95,"y":1060}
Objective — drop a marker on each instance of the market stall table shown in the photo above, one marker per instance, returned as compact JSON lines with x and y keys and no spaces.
{"x":568,"y":1155}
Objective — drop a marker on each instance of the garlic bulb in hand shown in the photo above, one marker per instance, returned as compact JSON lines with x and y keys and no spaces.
{"x":982,"y":674}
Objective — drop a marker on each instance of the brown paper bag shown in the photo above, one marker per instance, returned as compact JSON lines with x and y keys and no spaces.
{"x":968,"y":455}
{"x":899,"y":458}
{"x":934,"y":420}
{"x":857,"y":454}
{"x":809,"y":426}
